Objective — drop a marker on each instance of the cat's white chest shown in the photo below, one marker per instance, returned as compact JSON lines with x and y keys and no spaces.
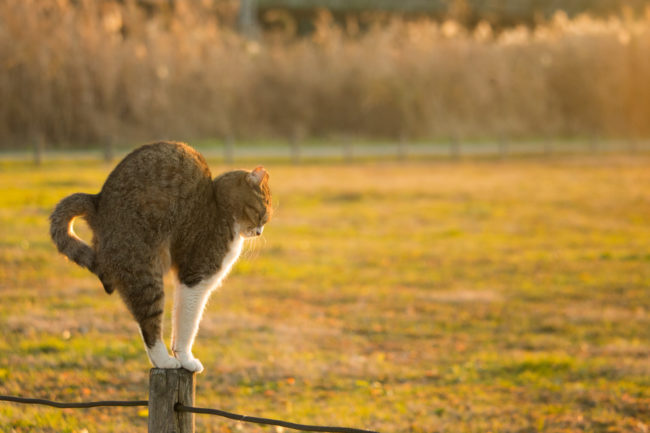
{"x":230,"y":258}
{"x":226,"y":264}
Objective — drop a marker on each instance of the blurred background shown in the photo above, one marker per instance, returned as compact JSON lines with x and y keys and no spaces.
{"x":80,"y":74}
{"x":461,"y":233}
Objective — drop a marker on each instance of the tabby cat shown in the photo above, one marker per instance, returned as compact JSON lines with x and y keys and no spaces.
{"x":161,"y":210}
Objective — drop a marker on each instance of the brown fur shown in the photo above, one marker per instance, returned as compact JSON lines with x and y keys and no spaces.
{"x":159,"y":207}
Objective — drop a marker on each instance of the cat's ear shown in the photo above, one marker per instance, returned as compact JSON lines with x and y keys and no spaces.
{"x":257,"y":176}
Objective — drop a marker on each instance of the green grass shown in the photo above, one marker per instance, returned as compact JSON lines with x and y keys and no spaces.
{"x":432,"y":296}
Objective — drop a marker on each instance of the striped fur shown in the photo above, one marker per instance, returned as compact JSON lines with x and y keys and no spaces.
{"x":61,"y":228}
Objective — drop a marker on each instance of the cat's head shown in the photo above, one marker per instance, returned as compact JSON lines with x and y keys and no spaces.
{"x":249,"y":199}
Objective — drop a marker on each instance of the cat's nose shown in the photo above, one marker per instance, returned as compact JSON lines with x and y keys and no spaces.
{"x":258,"y":231}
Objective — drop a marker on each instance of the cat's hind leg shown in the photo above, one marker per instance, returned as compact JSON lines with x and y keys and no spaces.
{"x":145,"y":299}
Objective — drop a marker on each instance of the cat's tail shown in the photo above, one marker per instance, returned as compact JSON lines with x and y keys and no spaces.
{"x":63,"y":235}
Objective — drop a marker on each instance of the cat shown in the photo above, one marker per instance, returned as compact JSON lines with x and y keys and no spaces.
{"x":160,"y":210}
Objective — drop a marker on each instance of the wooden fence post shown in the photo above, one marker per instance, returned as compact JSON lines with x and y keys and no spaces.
{"x":166,"y":388}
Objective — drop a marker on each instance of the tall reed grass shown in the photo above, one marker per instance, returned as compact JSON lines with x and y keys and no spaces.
{"x":77,"y":72}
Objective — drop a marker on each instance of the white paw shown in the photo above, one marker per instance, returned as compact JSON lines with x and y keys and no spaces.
{"x":169,"y":362}
{"x":189,"y":362}
{"x":160,"y":357}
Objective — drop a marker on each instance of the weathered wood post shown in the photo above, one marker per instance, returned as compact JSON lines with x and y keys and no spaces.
{"x":166,"y":388}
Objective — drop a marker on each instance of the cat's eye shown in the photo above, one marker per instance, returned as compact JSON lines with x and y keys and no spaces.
{"x":254,"y":216}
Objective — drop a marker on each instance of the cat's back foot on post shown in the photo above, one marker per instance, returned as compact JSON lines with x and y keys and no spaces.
{"x":170,"y":362}
{"x":160,"y":357}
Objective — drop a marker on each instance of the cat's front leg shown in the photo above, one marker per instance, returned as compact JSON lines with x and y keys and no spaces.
{"x":188,"y":309}
{"x":188,"y":361}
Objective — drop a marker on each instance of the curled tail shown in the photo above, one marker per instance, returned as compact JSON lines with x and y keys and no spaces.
{"x":67,"y":242}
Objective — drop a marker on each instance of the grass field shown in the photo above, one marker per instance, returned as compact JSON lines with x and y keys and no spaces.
{"x":429,"y":296}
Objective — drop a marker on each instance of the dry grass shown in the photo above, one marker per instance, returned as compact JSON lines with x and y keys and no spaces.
{"x":78,"y":74}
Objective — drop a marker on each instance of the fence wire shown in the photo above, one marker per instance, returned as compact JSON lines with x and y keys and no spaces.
{"x":82,"y":405}
{"x":267,"y":421}
{"x":182,"y":408}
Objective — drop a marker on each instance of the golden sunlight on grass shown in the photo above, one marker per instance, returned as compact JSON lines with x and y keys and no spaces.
{"x":404,"y":297}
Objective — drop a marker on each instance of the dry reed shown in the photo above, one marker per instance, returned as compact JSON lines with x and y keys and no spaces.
{"x":80,"y":72}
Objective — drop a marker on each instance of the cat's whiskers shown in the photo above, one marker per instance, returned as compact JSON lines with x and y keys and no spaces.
{"x":251,"y":251}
